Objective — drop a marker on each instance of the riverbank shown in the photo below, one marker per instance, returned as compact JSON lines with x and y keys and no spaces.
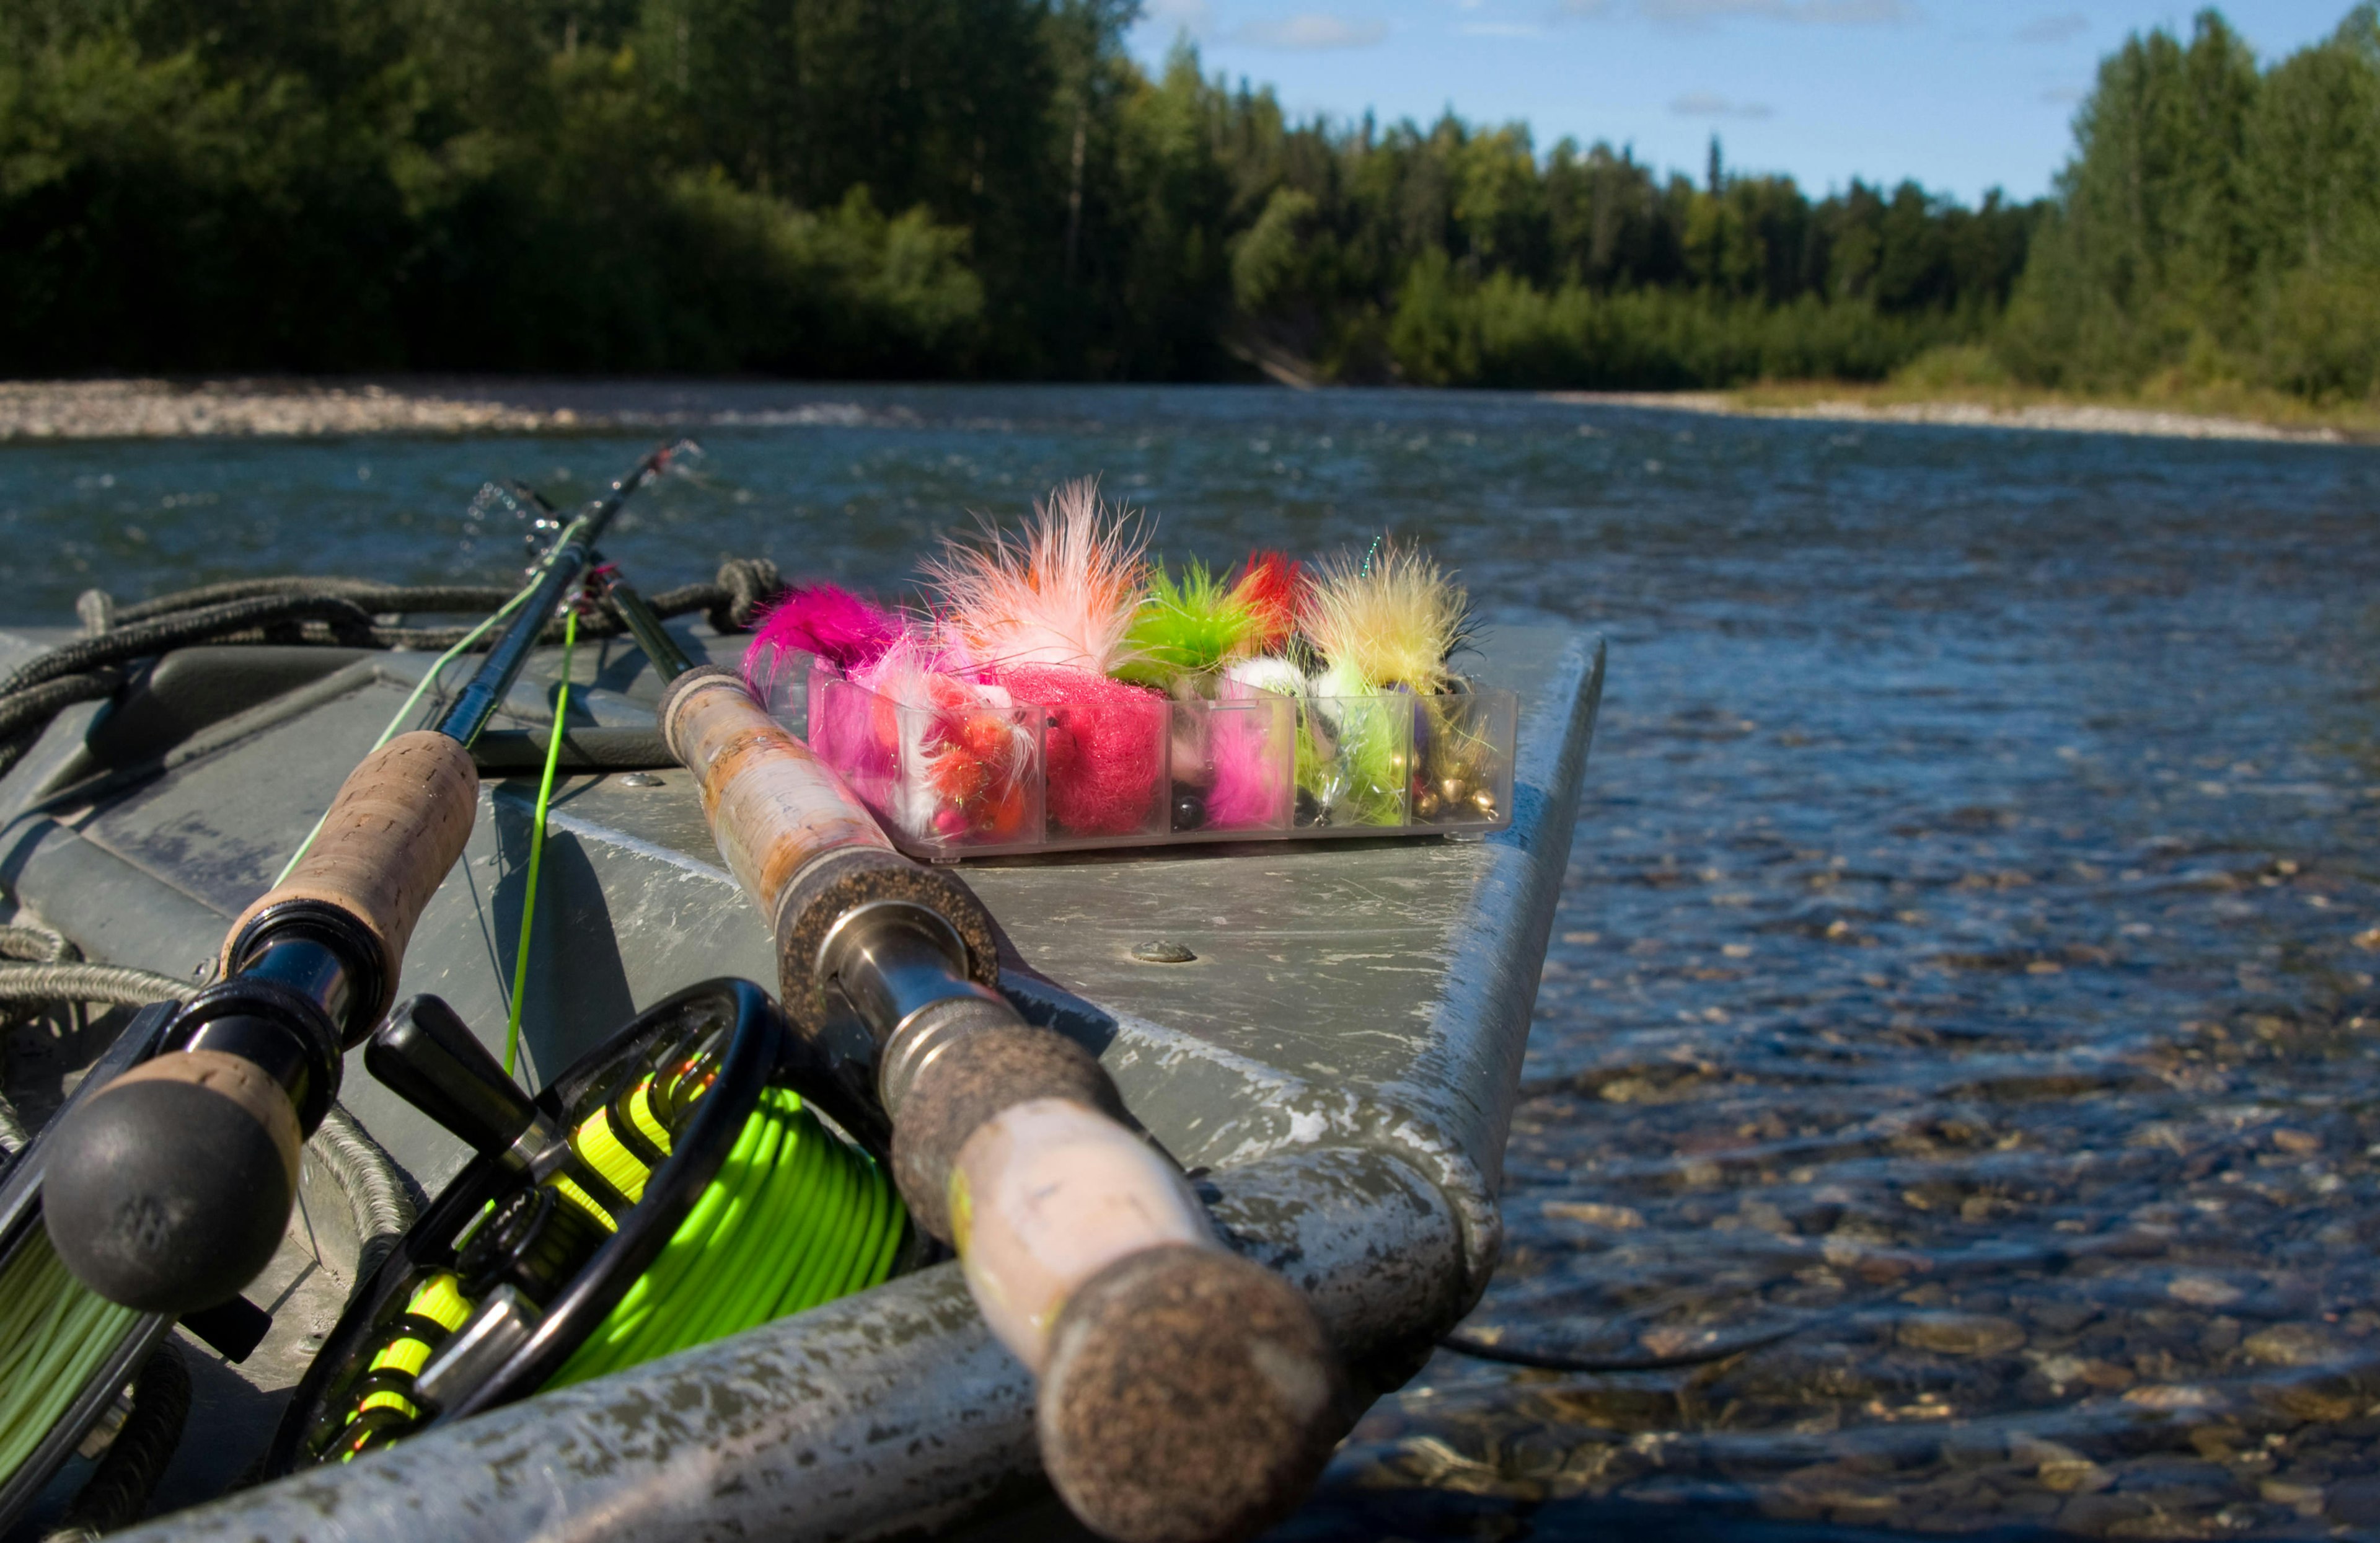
{"x":279,"y":408}
{"x":2229,"y":416}
{"x":297,"y":408}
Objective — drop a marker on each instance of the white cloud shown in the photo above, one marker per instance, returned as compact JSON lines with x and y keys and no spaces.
{"x":2053,"y":28}
{"x":2062,"y":97}
{"x":1699,"y":13}
{"x":1856,"y":13}
{"x":1710,"y":105}
{"x":1193,"y":17}
{"x":1501,"y":29}
{"x":1311,"y":30}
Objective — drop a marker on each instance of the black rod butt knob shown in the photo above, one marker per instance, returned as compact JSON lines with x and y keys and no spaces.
{"x":168,"y":1189}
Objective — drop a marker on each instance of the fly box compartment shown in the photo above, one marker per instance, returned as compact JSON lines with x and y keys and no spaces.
{"x":975,"y":770}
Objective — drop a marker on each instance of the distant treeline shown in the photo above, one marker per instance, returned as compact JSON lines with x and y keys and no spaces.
{"x":2217,"y":223}
{"x":992,"y":187}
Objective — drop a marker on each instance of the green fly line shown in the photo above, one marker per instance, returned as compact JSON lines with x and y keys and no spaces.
{"x":537,"y":844}
{"x":54,"y":1335}
{"x":404,"y":713}
{"x":794,"y":1217}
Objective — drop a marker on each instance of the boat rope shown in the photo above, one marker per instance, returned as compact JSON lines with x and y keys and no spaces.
{"x":320,"y":612}
{"x":537,"y":843}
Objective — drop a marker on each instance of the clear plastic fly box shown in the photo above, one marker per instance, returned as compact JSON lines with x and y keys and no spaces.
{"x":963,"y":770}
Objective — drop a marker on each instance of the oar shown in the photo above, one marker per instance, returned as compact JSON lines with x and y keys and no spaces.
{"x":168,"y":1189}
{"x":1185,"y":1393}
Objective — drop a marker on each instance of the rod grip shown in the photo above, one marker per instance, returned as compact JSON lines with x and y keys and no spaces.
{"x":167,"y":1190}
{"x":773,"y":805}
{"x":797,"y":839}
{"x":398,"y":823}
{"x":1187,"y":1396}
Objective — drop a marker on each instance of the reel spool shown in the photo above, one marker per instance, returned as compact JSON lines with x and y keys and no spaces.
{"x":111,"y":1343}
{"x":667,"y":1190}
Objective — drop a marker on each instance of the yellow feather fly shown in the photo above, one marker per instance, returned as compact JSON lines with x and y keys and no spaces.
{"x":1064,"y":592}
{"x":1390,"y":620}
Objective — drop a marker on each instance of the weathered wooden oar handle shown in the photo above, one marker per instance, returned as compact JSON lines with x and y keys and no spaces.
{"x":1186,"y":1395}
{"x":168,"y":1189}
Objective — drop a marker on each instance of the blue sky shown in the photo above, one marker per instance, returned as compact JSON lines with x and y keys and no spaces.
{"x":1961,"y":96}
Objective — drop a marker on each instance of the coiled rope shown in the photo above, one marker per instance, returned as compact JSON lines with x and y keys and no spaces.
{"x":327,"y":611}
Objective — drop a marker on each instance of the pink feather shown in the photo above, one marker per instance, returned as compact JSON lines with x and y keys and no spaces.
{"x":832,"y":623}
{"x":1064,"y":593}
{"x":1246,"y":751}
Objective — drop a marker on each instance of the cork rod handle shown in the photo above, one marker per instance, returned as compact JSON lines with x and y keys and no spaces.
{"x":397,"y":825}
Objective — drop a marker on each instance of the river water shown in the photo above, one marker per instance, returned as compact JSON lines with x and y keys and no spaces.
{"x":1963,"y":997}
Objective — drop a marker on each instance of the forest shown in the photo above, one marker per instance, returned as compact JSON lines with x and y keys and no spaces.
{"x":993,"y":189}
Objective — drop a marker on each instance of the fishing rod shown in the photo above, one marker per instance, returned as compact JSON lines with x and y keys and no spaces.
{"x":1185,"y":1393}
{"x":168,"y":1189}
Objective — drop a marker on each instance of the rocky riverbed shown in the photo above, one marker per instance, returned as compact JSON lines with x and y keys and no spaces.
{"x":297,"y":408}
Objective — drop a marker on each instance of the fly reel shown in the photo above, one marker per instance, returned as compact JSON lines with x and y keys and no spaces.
{"x":668,"y":1189}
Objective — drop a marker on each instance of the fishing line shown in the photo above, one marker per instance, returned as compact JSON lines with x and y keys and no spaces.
{"x":54,"y":1335}
{"x":537,"y":842}
{"x":794,"y":1217}
{"x":406,"y":712}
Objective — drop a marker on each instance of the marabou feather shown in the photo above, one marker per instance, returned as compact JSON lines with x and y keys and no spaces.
{"x":1187,"y":626}
{"x":1266,"y":672}
{"x":1105,"y":744}
{"x":1389,"y":621}
{"x":1244,"y":748}
{"x":959,"y":751}
{"x":1272,"y":587}
{"x":1063,"y":593}
{"x":835,"y":625}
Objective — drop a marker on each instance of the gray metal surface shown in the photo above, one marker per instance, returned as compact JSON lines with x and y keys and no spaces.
{"x":1337,"y":1062}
